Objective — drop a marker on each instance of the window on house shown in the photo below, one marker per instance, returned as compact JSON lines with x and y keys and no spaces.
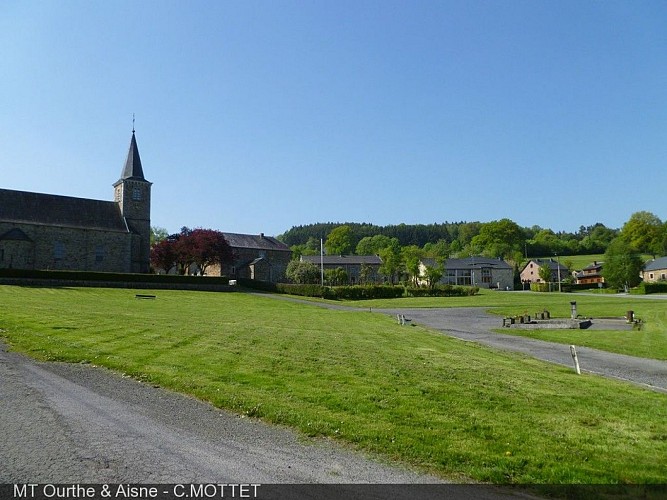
{"x":464,"y":278}
{"x":486,"y":275}
{"x":59,"y":250}
{"x":650,"y":275}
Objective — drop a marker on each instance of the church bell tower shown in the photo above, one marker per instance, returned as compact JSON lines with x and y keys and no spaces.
{"x":132,"y":192}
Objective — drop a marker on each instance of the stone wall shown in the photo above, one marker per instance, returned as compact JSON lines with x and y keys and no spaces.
{"x":272,"y":268}
{"x":55,"y":247}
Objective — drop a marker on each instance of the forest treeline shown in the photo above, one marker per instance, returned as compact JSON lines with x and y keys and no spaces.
{"x":458,"y":236}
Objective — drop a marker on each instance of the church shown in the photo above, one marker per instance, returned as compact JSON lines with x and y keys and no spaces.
{"x":45,"y":231}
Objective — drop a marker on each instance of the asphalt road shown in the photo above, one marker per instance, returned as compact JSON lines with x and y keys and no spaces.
{"x":474,"y":324}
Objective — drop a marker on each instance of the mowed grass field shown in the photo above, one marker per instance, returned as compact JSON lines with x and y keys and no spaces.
{"x":649,"y":341}
{"x":411,"y":395}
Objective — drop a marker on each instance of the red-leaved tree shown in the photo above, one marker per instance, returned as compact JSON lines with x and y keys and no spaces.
{"x":202,"y":247}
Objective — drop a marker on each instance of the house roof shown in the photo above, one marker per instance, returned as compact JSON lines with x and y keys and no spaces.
{"x":554,"y":265}
{"x":592,"y":267}
{"x":655,"y":264}
{"x":341,"y":260}
{"x":54,"y":210}
{"x":470,"y":263}
{"x":255,"y":241}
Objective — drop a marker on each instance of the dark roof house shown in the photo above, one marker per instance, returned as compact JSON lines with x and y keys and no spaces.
{"x":655,"y":270}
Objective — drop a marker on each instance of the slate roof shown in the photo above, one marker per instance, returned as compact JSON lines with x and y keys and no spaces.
{"x":255,"y":241}
{"x":655,"y":264}
{"x":553,"y":265}
{"x":55,"y":210}
{"x":132,"y":168}
{"x":593,"y":267}
{"x":340,"y":260}
{"x":470,"y":263}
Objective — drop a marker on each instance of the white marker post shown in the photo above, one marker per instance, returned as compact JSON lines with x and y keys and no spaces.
{"x":573,"y":351}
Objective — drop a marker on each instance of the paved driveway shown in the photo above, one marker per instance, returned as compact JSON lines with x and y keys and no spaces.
{"x":474,"y":324}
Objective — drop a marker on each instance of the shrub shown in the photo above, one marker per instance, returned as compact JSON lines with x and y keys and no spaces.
{"x":365,"y":292}
{"x":657,"y":287}
{"x":91,"y":276}
{"x":443,"y":291}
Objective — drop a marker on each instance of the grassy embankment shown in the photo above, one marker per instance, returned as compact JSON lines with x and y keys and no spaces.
{"x":449,"y":407}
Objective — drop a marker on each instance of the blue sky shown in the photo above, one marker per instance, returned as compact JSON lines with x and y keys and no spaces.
{"x":254,"y":116}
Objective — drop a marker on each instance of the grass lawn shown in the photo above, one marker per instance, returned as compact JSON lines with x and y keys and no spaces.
{"x":450,"y":407}
{"x":648,"y":342}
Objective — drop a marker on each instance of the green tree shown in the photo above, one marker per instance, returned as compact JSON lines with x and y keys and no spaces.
{"x":366,"y":274}
{"x":411,"y":257}
{"x":391,"y":262}
{"x":371,"y":245}
{"x":311,"y":247}
{"x":438,"y":250}
{"x":434,"y":274}
{"x":501,"y":238}
{"x":158,"y":234}
{"x":622,"y":265}
{"x":644,"y":232}
{"x":303,"y":272}
{"x":336,"y":277}
{"x":545,"y":273}
{"x":339,"y":241}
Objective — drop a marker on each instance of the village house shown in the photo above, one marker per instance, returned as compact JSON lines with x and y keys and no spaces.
{"x":531,"y":271}
{"x":483,"y":272}
{"x":592,"y":273}
{"x":655,"y":270}
{"x":359,"y":268}
{"x":256,"y":257}
{"x":46,"y":231}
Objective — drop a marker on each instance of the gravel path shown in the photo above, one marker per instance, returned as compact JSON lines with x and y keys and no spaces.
{"x":76,"y":423}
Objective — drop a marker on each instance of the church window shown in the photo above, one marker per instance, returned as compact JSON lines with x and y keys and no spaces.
{"x":136,"y":194}
{"x":59,"y":250}
{"x":2,"y":254}
{"x":99,"y":253}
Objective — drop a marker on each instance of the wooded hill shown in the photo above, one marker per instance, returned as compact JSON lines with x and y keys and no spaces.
{"x":536,"y":240}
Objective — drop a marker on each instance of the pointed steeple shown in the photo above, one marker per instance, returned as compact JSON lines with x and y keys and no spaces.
{"x":132,"y":169}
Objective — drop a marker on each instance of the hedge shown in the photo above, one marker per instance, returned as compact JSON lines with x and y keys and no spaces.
{"x":38,"y":274}
{"x":359,"y":292}
{"x":657,"y":287}
{"x":443,"y":291}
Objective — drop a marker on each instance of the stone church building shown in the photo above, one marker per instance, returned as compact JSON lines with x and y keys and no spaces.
{"x":45,"y":231}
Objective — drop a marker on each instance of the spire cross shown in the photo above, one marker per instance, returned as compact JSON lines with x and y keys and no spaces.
{"x":133,"y":123}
